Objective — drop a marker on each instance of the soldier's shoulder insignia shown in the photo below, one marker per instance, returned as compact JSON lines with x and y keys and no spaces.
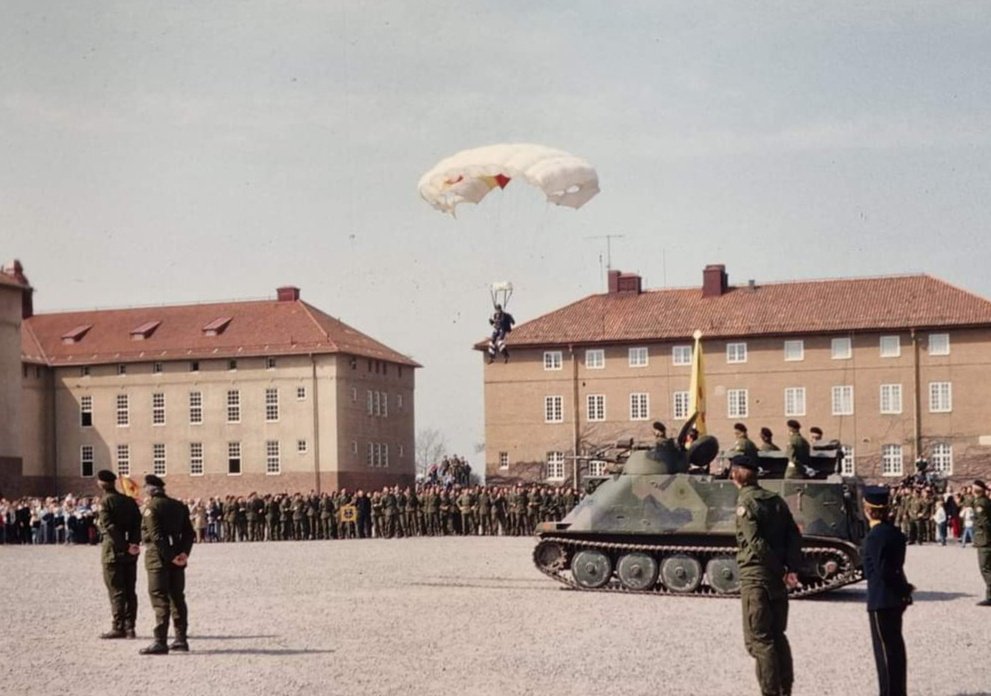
{"x":147,"y":512}
{"x":741,"y":511}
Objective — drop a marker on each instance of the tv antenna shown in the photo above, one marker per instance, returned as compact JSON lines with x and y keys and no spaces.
{"x":608,"y":238}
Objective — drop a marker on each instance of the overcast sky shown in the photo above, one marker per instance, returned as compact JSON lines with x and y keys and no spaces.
{"x":170,"y":152}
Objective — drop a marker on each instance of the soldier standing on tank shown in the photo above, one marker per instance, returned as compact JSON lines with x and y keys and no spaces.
{"x":982,"y":536}
{"x":769,"y":554}
{"x":798,"y":451}
{"x":767,"y":441}
{"x":888,"y":591}
{"x":743,"y":444}
{"x":120,"y":525}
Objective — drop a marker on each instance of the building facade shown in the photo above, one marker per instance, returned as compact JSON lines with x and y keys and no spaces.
{"x":223,"y":398}
{"x":893,"y":368}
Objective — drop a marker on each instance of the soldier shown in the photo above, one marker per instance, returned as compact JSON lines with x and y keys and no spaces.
{"x":400,"y":512}
{"x":982,"y":537}
{"x":298,"y":508}
{"x":272,"y":515}
{"x":769,"y":554}
{"x":120,"y":524}
{"x":431,"y":511}
{"x":285,"y":509}
{"x":743,"y":444}
{"x":410,"y":521}
{"x":888,"y":591}
{"x":798,"y":451}
{"x":326,"y":515}
{"x":484,"y":512}
{"x":168,"y":537}
{"x":241,"y":519}
{"x":251,"y":517}
{"x":378,"y":515}
{"x":389,"y":512}
{"x":767,"y":441}
{"x":466,"y":506}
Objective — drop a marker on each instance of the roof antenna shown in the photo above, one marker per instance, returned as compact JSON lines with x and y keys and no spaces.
{"x":608,"y":238}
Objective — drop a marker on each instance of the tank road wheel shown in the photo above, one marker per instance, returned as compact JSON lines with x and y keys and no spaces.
{"x":724,"y":575}
{"x":637,"y":571}
{"x":550,"y":556}
{"x":591,"y":568}
{"x":826,"y":569}
{"x":681,"y":573}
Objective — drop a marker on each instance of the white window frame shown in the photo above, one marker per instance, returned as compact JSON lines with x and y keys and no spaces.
{"x":553,"y":409}
{"x":301,"y":394}
{"x":941,"y":458}
{"x":553,"y":360}
{"x":504,"y":461}
{"x":596,"y":467}
{"x":86,"y":456}
{"x":794,"y":350}
{"x":938,"y":344}
{"x":891,"y":399}
{"x":399,"y":402}
{"x":639,"y":406}
{"x":196,"y":408}
{"x":123,"y":411}
{"x":302,"y":446}
{"x":841,"y":348}
{"x":940,"y":397}
{"x":123,"y":460}
{"x":234,"y":452}
{"x":890,"y":346}
{"x":595,"y":407}
{"x":638,"y":356}
{"x":737,"y":403}
{"x":842,"y":400}
{"x":233,"y":405}
{"x":121,"y":369}
{"x":892,"y":460}
{"x":849,"y":465}
{"x":271,"y":405}
{"x":681,"y":355}
{"x":85,"y":408}
{"x":681,"y":402}
{"x":736,"y":352}
{"x":158,"y":409}
{"x":196,"y":467}
{"x":157,"y":368}
{"x":555,"y":466}
{"x":795,"y":401}
{"x":595,"y":359}
{"x":269,"y":363}
{"x":159,"y":462}
{"x":273,"y":458}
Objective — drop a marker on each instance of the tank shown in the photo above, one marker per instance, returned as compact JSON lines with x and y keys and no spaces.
{"x":662,"y":523}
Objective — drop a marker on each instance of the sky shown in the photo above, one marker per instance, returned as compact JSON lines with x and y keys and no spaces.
{"x":160,"y":153}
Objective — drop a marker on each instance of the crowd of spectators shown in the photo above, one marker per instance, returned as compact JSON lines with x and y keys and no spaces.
{"x":929,"y":512}
{"x":449,"y":471}
{"x":69,"y":520}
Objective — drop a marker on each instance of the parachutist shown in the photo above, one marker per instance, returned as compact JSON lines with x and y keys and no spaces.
{"x":502,"y":323}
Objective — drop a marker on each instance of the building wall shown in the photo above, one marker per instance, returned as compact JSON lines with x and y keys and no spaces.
{"x":515,"y":394}
{"x":10,"y":389}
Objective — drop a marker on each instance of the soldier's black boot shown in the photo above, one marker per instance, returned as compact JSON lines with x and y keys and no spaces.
{"x":129,"y":631}
{"x":155,"y":648}
{"x":116,"y":632}
{"x":179,"y":644}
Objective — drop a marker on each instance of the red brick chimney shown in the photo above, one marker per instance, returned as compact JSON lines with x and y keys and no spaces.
{"x":287,"y":293}
{"x":624,"y":282}
{"x":16,"y":271}
{"x":714,"y":280}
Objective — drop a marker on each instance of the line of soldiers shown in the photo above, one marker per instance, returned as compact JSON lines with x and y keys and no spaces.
{"x":428,"y":510}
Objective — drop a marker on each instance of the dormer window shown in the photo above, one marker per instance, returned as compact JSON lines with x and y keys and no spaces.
{"x":216,"y":327}
{"x":76,"y":334}
{"x":144,"y":331}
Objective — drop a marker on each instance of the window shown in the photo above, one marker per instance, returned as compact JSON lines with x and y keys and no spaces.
{"x":596,"y":407}
{"x":736,"y":402}
{"x":596,"y":467}
{"x":553,"y":409}
{"x":378,"y":454}
{"x":86,"y":461}
{"x":273,"y":461}
{"x":301,"y":394}
{"x":849,"y":466}
{"x":232,"y":365}
{"x":595,"y":359}
{"x":84,"y":371}
{"x":158,"y":459}
{"x":354,"y":447}
{"x":158,"y":409}
{"x":553,"y":360}
{"x":123,"y":460}
{"x":122,"y":370}
{"x":795,"y":401}
{"x":384,"y":398}
{"x":941,"y":458}
{"x":86,"y":411}
{"x":681,"y":355}
{"x":794,"y":350}
{"x":681,"y":405}
{"x":939,"y":344}
{"x":940,"y":397}
{"x":233,"y":458}
{"x":736,"y":352}
{"x":157,"y":368}
{"x":123,"y":411}
{"x":843,"y":401}
{"x":638,"y":356}
{"x":504,"y":460}
{"x":195,"y":458}
{"x":233,"y":406}
{"x":370,"y":402}
{"x":194,"y":366}
{"x":402,"y":452}
{"x":269,"y":363}
{"x":891,"y":398}
{"x":891,"y":460}
{"x":639,"y":406}
{"x":841,"y":348}
{"x":891,"y":346}
{"x":354,"y":394}
{"x":399,"y":401}
{"x":195,"y":408}
{"x":555,"y":466}
{"x":271,"y":405}
{"x":301,"y":446}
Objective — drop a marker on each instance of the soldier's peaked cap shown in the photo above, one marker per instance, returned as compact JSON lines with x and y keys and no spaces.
{"x":980,"y":484}
{"x":745,"y":461}
{"x":152,"y":480}
{"x":106,"y":475}
{"x":877,"y":496}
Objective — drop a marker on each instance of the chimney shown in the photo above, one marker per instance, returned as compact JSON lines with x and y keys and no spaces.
{"x":287,"y":293}
{"x":714,"y":280}
{"x":16,"y":271}
{"x":624,"y":283}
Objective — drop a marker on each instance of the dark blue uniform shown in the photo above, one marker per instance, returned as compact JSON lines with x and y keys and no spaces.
{"x":888,"y":593}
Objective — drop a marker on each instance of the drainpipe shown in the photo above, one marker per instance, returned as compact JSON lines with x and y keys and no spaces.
{"x":316,"y":423}
{"x":577,"y":429}
{"x":917,"y":399}
{"x":54,"y":431}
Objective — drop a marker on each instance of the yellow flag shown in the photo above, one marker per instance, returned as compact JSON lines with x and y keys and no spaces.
{"x":130,"y":488}
{"x":696,"y":403}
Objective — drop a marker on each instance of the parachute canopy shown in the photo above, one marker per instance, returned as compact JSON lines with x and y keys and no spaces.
{"x":470,"y":174}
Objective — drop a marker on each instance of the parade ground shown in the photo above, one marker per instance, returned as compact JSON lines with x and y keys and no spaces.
{"x":454,"y":616}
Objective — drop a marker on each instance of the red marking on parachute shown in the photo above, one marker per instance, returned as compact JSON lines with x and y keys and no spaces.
{"x":502,"y":180}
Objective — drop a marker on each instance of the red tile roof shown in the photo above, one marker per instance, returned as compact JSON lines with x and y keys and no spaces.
{"x":787,"y":308}
{"x":257,"y":328}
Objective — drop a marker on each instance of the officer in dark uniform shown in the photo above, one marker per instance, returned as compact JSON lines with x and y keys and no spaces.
{"x":120,"y":524}
{"x":168,"y":536}
{"x":769,"y":554}
{"x":982,"y":537}
{"x":798,"y":451}
{"x":888,"y":592}
{"x":743,"y":444}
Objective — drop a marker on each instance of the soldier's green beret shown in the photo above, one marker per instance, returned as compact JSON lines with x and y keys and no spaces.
{"x":794,"y":424}
{"x":152,"y":480}
{"x":106,"y":475}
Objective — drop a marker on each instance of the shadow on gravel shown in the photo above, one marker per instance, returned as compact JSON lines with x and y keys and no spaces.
{"x":479,"y":585}
{"x":936,"y":596}
{"x":860,"y":597}
{"x":275,"y":652}
{"x":195,"y":637}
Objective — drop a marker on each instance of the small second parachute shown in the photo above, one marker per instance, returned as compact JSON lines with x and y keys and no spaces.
{"x":469,"y":175}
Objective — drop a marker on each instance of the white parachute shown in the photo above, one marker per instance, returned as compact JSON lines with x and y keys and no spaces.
{"x":469,"y":175}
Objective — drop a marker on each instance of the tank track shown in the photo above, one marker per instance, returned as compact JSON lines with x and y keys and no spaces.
{"x":847,"y":573}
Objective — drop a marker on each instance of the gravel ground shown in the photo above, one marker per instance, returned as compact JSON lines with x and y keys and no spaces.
{"x":454,"y":616}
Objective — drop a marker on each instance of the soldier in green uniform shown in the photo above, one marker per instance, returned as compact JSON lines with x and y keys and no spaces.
{"x":298,"y":507}
{"x":168,"y":537}
{"x":466,"y":506}
{"x":767,"y":441}
{"x":769,"y":554}
{"x":120,"y":524}
{"x":982,"y":537}
{"x":743,"y":444}
{"x":389,"y":510}
{"x":798,"y":451}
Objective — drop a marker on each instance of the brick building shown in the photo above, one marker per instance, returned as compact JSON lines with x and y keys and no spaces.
{"x":893,"y":367}
{"x":233,"y":397}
